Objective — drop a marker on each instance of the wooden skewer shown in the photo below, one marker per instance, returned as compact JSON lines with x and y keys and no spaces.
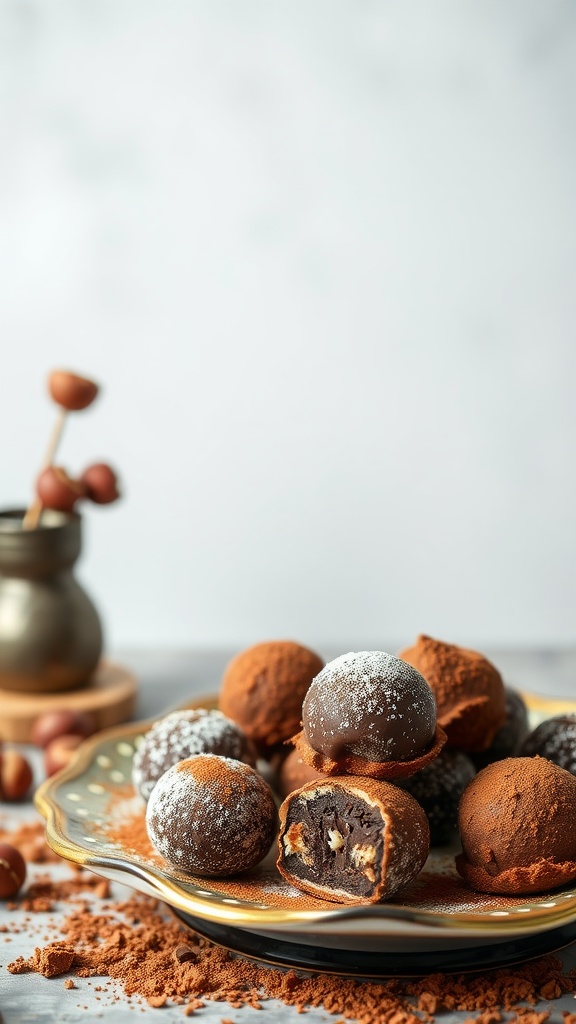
{"x":32,"y":517}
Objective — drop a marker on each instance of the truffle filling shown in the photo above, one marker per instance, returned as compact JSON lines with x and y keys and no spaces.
{"x":334,"y":841}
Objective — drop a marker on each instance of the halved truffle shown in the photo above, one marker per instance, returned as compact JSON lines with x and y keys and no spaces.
{"x":351,"y":839}
{"x":517,"y":822}
{"x":369,"y":713}
{"x":469,"y":691}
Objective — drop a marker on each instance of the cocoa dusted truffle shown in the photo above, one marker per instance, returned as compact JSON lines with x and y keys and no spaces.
{"x":369,"y":714}
{"x":469,"y":691}
{"x":263,"y":689}
{"x":555,"y":740}
{"x":294,"y":773}
{"x":438,"y":788}
{"x":211,"y":816}
{"x":517,"y":822}
{"x":183,"y":734}
{"x":509,"y":738}
{"x":352,"y":839}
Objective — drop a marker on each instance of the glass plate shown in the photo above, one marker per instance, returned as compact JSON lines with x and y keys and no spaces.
{"x":94,"y":819}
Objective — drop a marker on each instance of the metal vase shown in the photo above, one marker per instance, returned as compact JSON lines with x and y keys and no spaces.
{"x":50,"y":632}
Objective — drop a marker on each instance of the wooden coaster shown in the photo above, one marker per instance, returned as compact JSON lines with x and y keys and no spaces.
{"x":110,"y":697}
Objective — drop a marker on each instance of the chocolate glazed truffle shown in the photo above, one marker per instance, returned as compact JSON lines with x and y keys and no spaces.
{"x":517,"y":823}
{"x":555,"y":740}
{"x":369,"y":714}
{"x":211,"y":816}
{"x":351,"y":840}
{"x":182,"y":734}
{"x":263,"y":689}
{"x":469,"y":691}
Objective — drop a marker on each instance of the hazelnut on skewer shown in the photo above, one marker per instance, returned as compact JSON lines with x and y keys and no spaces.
{"x":55,"y":489}
{"x":71,"y":393}
{"x":101,"y":483}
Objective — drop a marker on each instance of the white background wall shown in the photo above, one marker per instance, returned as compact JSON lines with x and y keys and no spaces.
{"x":322,"y":257}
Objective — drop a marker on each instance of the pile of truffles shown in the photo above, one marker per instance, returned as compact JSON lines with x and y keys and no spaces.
{"x":375,"y":758}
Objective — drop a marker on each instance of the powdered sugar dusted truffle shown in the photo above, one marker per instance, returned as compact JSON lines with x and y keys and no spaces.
{"x":438,"y":788}
{"x":554,"y":739}
{"x":181,"y":735}
{"x":211,"y":816}
{"x":352,"y":840}
{"x":370,"y":704}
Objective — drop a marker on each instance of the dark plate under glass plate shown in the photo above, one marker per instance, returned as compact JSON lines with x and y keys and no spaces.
{"x":359,"y":963}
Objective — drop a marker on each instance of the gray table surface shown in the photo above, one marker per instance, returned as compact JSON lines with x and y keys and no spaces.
{"x":168,"y":678}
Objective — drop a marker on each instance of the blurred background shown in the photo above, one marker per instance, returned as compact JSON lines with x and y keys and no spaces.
{"x":322,"y":258}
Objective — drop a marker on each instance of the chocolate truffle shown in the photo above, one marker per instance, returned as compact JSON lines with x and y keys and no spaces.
{"x":438,"y":788}
{"x":468,"y":689}
{"x":352,"y":839}
{"x":211,"y":816}
{"x":517,"y":822}
{"x":263,"y":689}
{"x":509,"y":738}
{"x":555,"y":740}
{"x":181,"y":735}
{"x":294,"y":773}
{"x":369,"y":714}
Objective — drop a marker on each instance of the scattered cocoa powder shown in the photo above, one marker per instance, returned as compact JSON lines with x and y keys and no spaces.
{"x":156,"y":959}
{"x":137,"y":944}
{"x":30,"y":839}
{"x":52,"y":960}
{"x":43,"y":893}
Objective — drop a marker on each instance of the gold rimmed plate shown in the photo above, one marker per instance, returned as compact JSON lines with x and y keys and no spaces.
{"x":94,"y":819}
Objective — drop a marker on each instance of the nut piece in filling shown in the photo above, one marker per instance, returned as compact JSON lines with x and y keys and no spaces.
{"x":211,"y":816}
{"x":352,"y":839}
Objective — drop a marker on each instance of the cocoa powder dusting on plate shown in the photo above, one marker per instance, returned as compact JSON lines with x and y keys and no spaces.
{"x":137,"y":943}
{"x":438,"y":888}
